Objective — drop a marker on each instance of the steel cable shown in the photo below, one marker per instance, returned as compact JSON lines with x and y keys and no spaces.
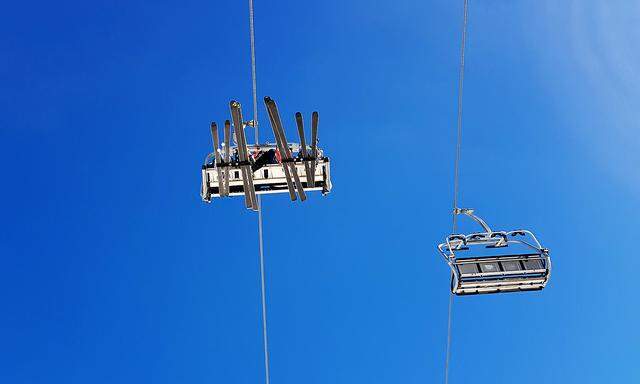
{"x":263,"y":290}
{"x":456,"y":177}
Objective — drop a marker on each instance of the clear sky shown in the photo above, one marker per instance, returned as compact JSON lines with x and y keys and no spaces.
{"x":114,"y":271}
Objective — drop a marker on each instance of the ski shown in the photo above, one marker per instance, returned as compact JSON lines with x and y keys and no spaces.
{"x":303,"y":145}
{"x":216,"y":145}
{"x":314,"y":146}
{"x":227,"y":155}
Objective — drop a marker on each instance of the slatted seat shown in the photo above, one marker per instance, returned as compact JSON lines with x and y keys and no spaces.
{"x":525,"y":272}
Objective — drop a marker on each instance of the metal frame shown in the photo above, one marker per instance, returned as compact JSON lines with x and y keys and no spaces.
{"x":493,"y":274}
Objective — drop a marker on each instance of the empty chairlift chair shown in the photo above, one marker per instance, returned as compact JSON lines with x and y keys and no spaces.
{"x":495,"y":261}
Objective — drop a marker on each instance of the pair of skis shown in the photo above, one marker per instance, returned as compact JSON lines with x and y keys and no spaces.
{"x":309,"y":160}
{"x":288,"y":163}
{"x":222,"y":165}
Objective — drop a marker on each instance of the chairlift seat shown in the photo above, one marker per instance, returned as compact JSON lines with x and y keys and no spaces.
{"x":268,"y":179}
{"x":506,"y":269}
{"x":510,"y":273}
{"x":250,"y":170}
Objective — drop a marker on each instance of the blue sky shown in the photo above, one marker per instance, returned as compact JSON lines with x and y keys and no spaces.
{"x":114,"y":271}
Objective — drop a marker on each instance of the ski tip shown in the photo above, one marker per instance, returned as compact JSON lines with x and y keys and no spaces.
{"x":267,"y":99}
{"x":314,"y":114}
{"x":298,"y":116}
{"x":214,"y":125}
{"x":234,"y":104}
{"x":227,"y":123}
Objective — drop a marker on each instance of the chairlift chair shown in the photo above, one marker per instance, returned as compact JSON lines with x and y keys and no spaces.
{"x":508,"y":270}
{"x":250,"y":170}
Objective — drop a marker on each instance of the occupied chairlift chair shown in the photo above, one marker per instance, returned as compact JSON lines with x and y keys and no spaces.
{"x":284,"y":167}
{"x":512,"y":270}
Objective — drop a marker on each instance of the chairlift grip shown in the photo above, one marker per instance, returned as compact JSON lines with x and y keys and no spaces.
{"x":469,"y":212}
